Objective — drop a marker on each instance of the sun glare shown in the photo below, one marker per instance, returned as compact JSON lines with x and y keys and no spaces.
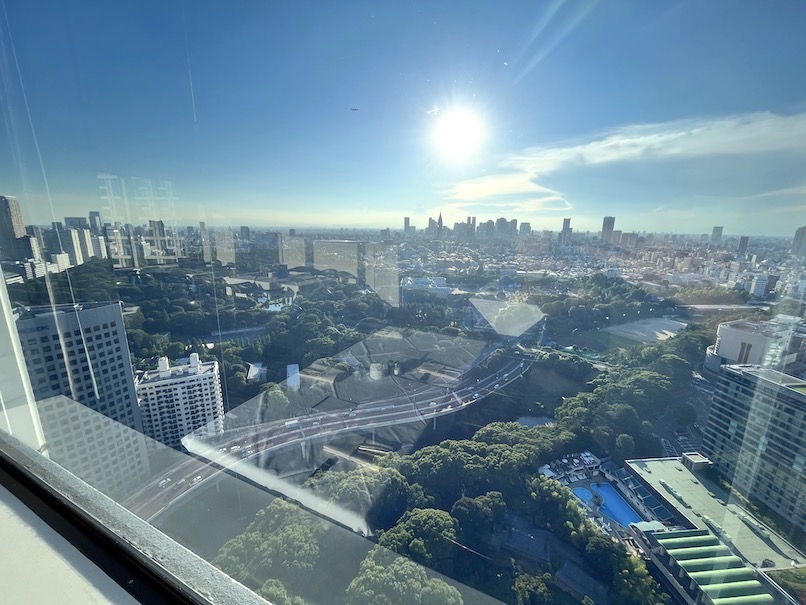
{"x":458,"y":134}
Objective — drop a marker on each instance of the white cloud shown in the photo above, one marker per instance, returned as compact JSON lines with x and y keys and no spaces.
{"x":497,"y":184}
{"x":748,"y":134}
{"x":519,"y":206}
{"x":787,"y":192}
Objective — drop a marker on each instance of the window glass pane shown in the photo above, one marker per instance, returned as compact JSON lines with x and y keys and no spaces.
{"x":425,"y":303}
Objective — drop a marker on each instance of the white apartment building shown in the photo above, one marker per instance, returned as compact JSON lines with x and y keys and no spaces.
{"x":776,"y":343}
{"x":175,"y":401}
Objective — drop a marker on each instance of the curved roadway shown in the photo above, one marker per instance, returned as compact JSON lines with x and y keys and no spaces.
{"x":246,"y":443}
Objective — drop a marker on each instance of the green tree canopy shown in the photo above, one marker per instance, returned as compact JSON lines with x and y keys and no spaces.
{"x":385,"y":578}
{"x":426,"y":535}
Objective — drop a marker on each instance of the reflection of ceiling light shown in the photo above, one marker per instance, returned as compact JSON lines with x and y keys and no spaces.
{"x":508,"y":319}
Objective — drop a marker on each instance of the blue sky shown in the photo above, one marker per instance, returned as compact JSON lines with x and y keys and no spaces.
{"x":671,"y":116}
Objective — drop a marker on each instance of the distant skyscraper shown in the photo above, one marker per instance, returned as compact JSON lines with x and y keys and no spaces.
{"x":11,"y":227}
{"x":344,"y":256}
{"x":28,"y":248}
{"x":754,"y":435}
{"x":406,"y":225}
{"x":175,"y":401}
{"x":565,"y":234}
{"x":741,"y":249}
{"x":526,"y":229}
{"x":716,"y":235}
{"x":381,"y":272}
{"x":206,"y":244}
{"x":76,"y":222}
{"x":71,"y":243}
{"x":608,"y":225}
{"x":292,"y":251}
{"x":799,"y":242}
{"x":95,"y":222}
{"x":501,"y":227}
{"x":758,"y":287}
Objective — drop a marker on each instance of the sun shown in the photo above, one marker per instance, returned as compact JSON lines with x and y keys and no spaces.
{"x":458,"y":134}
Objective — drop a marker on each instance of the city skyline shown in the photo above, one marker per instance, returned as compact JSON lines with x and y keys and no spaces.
{"x":266,"y":125}
{"x":400,"y":228}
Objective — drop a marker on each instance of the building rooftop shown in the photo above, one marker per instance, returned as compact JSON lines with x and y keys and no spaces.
{"x":164,"y":372}
{"x":696,"y":457}
{"x":710,"y":507}
{"x":709,"y":563}
{"x":774,"y":376}
{"x":44,"y":310}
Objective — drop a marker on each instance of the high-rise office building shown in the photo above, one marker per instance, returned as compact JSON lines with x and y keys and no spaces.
{"x":608,"y":224}
{"x":758,"y":286}
{"x":224,"y":248}
{"x":175,"y":401}
{"x":81,"y":376}
{"x":381,"y":272}
{"x":406,"y":225}
{"x":799,"y":242}
{"x":95,"y":222}
{"x":344,"y":256}
{"x":502,"y":227}
{"x":741,"y":249}
{"x":754,"y":435}
{"x":292,"y":251}
{"x":716,"y":235}
{"x":206,"y":244}
{"x":85,"y":244}
{"x":81,"y":351}
{"x":76,"y":222}
{"x":11,"y":227}
{"x":28,"y":248}
{"x":565,"y":234}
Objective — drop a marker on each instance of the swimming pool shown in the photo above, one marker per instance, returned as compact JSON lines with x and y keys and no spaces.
{"x":615,"y":507}
{"x":583,"y":494}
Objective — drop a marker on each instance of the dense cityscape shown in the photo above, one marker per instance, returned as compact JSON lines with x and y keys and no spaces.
{"x":539,"y":415}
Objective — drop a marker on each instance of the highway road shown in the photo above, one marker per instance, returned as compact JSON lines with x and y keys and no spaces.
{"x":214,"y":455}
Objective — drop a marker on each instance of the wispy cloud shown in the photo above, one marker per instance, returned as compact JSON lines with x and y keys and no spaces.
{"x":517,"y":205}
{"x":739,"y":135}
{"x":776,"y":193}
{"x":514,"y":183}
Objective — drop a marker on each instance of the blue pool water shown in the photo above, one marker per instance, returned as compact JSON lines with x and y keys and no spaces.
{"x":615,"y":507}
{"x":583,"y":494}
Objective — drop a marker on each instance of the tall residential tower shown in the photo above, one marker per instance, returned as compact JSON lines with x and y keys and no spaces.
{"x":175,"y":401}
{"x":755,"y":437}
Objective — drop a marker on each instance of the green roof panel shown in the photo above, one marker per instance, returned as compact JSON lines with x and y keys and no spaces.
{"x":719,"y":576}
{"x":709,"y":563}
